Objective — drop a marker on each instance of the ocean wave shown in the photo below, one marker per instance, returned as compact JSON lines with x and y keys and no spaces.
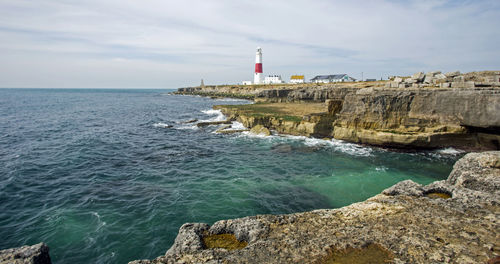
{"x":338,"y":145}
{"x":187,"y":127}
{"x":449,"y":151}
{"x":218,"y":115}
{"x":236,"y":126}
{"x":162,"y":125}
{"x":351,"y":148}
{"x":232,"y":100}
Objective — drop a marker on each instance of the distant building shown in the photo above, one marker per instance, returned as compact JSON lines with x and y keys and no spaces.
{"x":247,"y":82}
{"x":332,"y":78}
{"x":271,"y":79}
{"x":297,"y":79}
{"x":371,"y":80}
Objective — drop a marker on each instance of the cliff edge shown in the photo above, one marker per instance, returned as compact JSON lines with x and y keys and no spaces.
{"x":450,"y":221}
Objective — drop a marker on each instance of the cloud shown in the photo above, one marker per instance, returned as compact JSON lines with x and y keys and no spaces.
{"x":154,"y":43}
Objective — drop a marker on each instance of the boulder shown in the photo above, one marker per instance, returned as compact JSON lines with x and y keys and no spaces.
{"x":434,"y":73}
{"x":398,"y":79}
{"x":459,"y":79}
{"x":260,"y":130}
{"x":419,"y":76}
{"x":452,"y":74}
{"x":440,"y":76}
{"x":36,"y":254}
{"x":428,"y":78}
{"x":477,"y":171}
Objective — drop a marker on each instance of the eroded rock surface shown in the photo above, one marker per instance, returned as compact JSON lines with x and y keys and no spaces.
{"x":402,"y":225}
{"x":421,"y":118}
{"x":36,"y":254}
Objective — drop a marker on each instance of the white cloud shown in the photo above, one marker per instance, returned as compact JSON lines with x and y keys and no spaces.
{"x":157,"y":43}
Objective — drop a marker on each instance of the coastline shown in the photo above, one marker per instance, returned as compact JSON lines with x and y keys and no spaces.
{"x":377,"y":246}
{"x":422,"y":116}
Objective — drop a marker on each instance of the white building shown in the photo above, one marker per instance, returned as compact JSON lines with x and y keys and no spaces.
{"x":247,"y":82}
{"x":297,"y":79}
{"x":271,"y":79}
{"x":332,"y":78}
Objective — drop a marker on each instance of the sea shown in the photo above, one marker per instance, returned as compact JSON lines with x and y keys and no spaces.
{"x":109,"y":175}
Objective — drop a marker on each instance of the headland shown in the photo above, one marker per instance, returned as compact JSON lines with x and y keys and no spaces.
{"x":431,"y":110}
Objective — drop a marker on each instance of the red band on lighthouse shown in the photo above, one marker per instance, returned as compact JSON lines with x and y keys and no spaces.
{"x":258,"y":67}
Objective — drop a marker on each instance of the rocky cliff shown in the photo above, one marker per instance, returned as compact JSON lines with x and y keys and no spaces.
{"x":426,"y":110}
{"x":450,"y":221}
{"x":421,"y":117}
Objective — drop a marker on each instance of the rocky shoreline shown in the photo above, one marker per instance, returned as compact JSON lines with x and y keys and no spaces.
{"x":424,"y":111}
{"x":451,"y":221}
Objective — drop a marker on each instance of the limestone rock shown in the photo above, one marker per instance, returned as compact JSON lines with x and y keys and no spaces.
{"x":419,"y":76}
{"x":260,"y":130}
{"x":447,"y":221}
{"x":189,"y":238}
{"x":440,"y":76}
{"x":459,"y":79}
{"x":477,"y":171}
{"x":442,"y":118}
{"x":452,"y":74}
{"x":36,"y":254}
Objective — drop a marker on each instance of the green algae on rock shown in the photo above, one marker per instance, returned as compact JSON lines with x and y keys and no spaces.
{"x":226,"y":241}
{"x":369,"y":254}
{"x":438,"y":195}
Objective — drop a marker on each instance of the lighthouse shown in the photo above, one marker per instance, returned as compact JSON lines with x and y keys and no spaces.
{"x":257,"y":77}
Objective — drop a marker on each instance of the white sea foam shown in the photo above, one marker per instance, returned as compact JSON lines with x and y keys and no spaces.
{"x":162,"y":125}
{"x":218,"y":115}
{"x":449,"y":151}
{"x":339,"y":145}
{"x":381,"y":168}
{"x":232,"y":100}
{"x":236,"y":126}
{"x":99,"y":221}
{"x":351,"y":148}
{"x":187,"y":127}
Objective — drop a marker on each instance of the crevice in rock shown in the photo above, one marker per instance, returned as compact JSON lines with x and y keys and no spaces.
{"x":438,"y":194}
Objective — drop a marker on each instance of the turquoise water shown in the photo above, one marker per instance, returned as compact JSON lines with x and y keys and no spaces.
{"x":109,"y":176}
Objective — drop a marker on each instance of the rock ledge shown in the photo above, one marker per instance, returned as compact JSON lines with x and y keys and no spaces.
{"x":403,"y":224}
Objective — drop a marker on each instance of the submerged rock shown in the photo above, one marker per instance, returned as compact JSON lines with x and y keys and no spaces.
{"x":401,"y":225}
{"x":36,"y":254}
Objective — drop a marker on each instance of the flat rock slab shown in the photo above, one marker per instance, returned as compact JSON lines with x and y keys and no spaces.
{"x":404,"y":224}
{"x":203,"y":124}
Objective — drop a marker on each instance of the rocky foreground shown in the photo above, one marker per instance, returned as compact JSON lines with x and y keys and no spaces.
{"x":452,"y":221}
{"x":36,"y":254}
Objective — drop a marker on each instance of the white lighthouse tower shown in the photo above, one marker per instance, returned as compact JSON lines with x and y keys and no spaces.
{"x":257,"y":77}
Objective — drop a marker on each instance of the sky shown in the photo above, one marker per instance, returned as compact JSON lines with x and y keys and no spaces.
{"x":171,"y":44}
